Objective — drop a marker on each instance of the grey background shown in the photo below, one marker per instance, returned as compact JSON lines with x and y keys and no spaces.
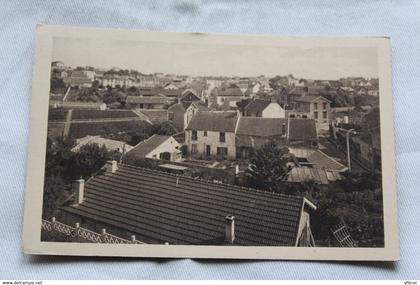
{"x":398,"y":19}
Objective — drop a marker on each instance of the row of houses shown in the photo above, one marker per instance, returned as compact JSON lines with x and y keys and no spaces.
{"x":226,"y":134}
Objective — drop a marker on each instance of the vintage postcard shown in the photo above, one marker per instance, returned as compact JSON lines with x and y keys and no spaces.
{"x":156,"y":144}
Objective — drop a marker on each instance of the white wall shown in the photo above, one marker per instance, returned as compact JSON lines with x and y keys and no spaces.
{"x":170,"y":145}
{"x":273,"y":110}
{"x":211,"y":139}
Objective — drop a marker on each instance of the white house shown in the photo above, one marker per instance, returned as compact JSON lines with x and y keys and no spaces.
{"x":157,"y":147}
{"x":212,"y":134}
{"x":264,"y":109}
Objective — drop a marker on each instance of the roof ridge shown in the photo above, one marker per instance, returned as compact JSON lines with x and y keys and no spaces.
{"x":235,"y":187}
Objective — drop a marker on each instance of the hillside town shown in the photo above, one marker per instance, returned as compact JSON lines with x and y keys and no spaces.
{"x":213,"y":160}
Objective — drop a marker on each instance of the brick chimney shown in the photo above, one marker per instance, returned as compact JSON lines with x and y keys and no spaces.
{"x":79,"y":188}
{"x":111,"y":166}
{"x":230,"y":229}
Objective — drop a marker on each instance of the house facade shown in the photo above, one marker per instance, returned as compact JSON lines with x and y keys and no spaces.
{"x":316,"y":108}
{"x":212,"y":134}
{"x":156,"y":147}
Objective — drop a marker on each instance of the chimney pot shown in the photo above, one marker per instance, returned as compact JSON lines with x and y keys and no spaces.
{"x":79,"y":187}
{"x":230,"y":229}
{"x":111,"y":166}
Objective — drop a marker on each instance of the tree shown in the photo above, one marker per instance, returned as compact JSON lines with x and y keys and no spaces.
{"x":90,"y":159}
{"x":268,"y":167}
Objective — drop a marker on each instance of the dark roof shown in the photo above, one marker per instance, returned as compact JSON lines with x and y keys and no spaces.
{"x":302,"y":129}
{"x":214,"y":121}
{"x":172,"y":92}
{"x":146,"y":146}
{"x":146,"y":100}
{"x":310,"y":98}
{"x":257,"y":105}
{"x":232,"y":90}
{"x":260,"y":127}
{"x":159,"y":207}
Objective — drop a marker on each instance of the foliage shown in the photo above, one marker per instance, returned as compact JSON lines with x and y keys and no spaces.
{"x":356,"y":200}
{"x":56,"y":83}
{"x":268,"y":167}
{"x":63,"y":166}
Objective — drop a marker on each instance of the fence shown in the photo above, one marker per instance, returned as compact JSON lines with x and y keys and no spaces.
{"x":79,"y":232}
{"x":342,"y":235}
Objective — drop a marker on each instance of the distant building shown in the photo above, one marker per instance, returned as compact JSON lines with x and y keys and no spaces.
{"x":253,"y":132}
{"x":264,"y":109}
{"x":228,"y":95}
{"x":156,"y":147}
{"x":78,"y":105}
{"x":148,"y":102}
{"x":212,"y":134}
{"x":180,"y":114}
{"x":162,"y":208}
{"x":78,"y":78}
{"x":312,"y":107}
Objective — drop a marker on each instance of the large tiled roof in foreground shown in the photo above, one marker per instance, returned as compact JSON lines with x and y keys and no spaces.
{"x":159,"y":207}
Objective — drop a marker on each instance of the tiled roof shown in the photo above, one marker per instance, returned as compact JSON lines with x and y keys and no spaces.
{"x":304,"y":174}
{"x":318,"y":159}
{"x":260,"y":127}
{"x":310,"y":98}
{"x":302,"y":129}
{"x":146,"y":100}
{"x":257,"y":105}
{"x":213,"y":121}
{"x":159,"y":207}
{"x":145,"y":147}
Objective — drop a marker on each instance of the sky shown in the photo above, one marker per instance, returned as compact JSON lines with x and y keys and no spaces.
{"x":218,"y":60}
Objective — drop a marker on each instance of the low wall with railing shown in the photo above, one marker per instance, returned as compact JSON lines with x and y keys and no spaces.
{"x":78,"y":233}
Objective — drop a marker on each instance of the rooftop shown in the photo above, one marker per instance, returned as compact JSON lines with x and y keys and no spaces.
{"x":214,"y":121}
{"x":159,"y":207}
{"x":146,"y":100}
{"x":145,"y":147}
{"x":302,"y":129}
{"x":260,"y":127}
{"x":257,"y":105}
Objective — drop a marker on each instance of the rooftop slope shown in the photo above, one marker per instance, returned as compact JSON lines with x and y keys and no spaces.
{"x":158,"y":207}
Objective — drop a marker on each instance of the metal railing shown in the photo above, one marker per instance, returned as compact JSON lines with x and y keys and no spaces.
{"x":342,"y":235}
{"x":88,"y":235}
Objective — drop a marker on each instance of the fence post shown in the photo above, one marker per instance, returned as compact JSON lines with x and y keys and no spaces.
{"x":103,"y":233}
{"x":133,"y":239}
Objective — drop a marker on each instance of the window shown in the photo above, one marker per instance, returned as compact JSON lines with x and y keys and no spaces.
{"x":315,"y":106}
{"x":305,"y":116}
{"x":315,"y":115}
{"x":193,"y":148}
{"x":324,"y":105}
{"x":205,"y":133}
{"x":222,"y":152}
{"x":283,"y":129}
{"x":324,"y":114}
{"x":222,"y":137}
{"x":292,"y":116}
{"x":194,"y":135}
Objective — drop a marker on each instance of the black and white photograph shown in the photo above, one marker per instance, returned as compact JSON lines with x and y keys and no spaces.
{"x":216,"y":141}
